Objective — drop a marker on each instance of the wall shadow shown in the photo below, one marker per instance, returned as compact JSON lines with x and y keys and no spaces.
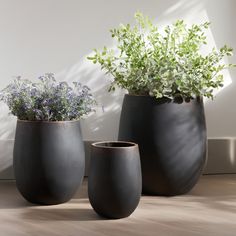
{"x":7,"y":123}
{"x":103,"y":124}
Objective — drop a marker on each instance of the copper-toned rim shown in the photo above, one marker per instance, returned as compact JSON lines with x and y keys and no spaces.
{"x":47,"y":121}
{"x":98,"y":144}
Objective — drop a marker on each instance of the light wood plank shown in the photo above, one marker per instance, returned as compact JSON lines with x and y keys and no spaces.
{"x":210,"y":209}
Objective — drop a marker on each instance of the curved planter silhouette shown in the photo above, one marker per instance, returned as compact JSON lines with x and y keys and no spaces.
{"x":48,"y":160}
{"x":115,"y":182}
{"x":172,"y":141}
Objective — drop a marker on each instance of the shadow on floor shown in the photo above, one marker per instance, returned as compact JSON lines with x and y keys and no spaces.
{"x":10,"y":197}
{"x":45,"y":214}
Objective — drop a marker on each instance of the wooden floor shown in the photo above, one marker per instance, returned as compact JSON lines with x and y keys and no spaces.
{"x":210,"y":209}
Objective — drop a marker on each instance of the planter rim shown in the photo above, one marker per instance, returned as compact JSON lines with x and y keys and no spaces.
{"x":149,"y":96}
{"x":163,"y":99}
{"x":138,"y":95}
{"x":102,"y":144}
{"x":46,"y":121}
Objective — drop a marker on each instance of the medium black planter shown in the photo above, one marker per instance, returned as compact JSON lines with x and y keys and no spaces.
{"x":172,"y":140}
{"x":48,"y":160}
{"x":115,"y":182}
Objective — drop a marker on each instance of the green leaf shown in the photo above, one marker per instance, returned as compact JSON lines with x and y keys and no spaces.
{"x":163,"y":64}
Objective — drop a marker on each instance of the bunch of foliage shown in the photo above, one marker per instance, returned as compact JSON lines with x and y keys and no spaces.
{"x":147,"y":61}
{"x":47,"y":100}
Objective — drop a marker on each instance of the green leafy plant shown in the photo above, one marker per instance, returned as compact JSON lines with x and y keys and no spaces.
{"x":168,"y":64}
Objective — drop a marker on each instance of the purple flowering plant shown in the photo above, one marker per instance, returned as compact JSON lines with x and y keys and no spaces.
{"x":47,"y":100}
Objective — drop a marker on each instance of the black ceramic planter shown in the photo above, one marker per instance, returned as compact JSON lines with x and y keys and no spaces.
{"x":172,"y":141}
{"x":114,"y":183}
{"x":48,"y":160}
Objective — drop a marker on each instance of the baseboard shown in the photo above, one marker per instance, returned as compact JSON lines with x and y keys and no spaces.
{"x":6,"y":155}
{"x":221,"y":157}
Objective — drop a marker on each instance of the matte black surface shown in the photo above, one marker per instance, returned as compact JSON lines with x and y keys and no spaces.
{"x":48,"y":160}
{"x":171,"y":138}
{"x":114,"y":182}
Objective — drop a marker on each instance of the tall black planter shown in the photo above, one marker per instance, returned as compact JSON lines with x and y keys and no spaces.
{"x":115,"y":182}
{"x":48,"y":160}
{"x":172,"y":141}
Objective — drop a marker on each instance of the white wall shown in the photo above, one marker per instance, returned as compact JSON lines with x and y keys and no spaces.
{"x":55,"y":36}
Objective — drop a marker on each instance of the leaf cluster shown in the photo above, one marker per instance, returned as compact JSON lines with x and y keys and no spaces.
{"x":163,"y":63}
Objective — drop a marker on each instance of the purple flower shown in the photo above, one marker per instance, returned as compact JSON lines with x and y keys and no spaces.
{"x":47,"y":99}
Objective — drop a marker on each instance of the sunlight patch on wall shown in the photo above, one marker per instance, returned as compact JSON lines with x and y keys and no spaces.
{"x":102,"y":124}
{"x":212,"y":44}
{"x":194,"y":12}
